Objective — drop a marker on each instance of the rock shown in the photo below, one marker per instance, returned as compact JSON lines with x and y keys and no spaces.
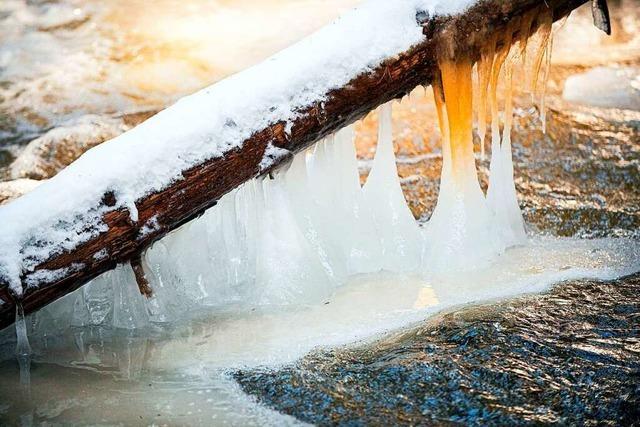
{"x":608,"y":87}
{"x":48,"y":154}
{"x":10,"y":190}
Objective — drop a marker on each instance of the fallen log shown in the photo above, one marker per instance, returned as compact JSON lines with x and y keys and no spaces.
{"x":59,"y":248}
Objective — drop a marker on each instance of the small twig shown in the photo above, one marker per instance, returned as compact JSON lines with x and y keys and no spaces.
{"x":141,"y":278}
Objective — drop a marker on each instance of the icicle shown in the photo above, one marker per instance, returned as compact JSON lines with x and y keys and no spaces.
{"x":525,"y":33}
{"x":395,"y":224}
{"x":246,"y":231}
{"x":508,"y":100}
{"x":326,"y":215}
{"x":443,"y":122}
{"x":545,"y":81}
{"x":129,"y":310}
{"x":309,"y":195}
{"x":476,"y":100}
{"x":500,"y":56}
{"x":485,"y":66}
{"x":78,"y":339}
{"x":459,"y":234}
{"x":98,"y":297}
{"x":541,"y":42}
{"x":23,"y":348}
{"x":80,"y":315}
{"x":227,"y":249}
{"x":496,"y":166}
{"x":287,"y":270}
{"x":165,"y":304}
{"x":240,"y":271}
{"x":502,"y":197}
{"x":362,"y":248}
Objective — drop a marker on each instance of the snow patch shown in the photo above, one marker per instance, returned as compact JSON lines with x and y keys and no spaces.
{"x":49,"y":276}
{"x":272,"y":155}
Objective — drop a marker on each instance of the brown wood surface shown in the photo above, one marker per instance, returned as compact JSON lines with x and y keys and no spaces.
{"x":204,"y":184}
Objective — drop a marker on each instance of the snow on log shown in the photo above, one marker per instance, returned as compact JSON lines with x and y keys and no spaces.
{"x":123,"y":195}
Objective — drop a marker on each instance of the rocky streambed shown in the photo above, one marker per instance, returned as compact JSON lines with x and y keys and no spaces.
{"x":570,"y":356}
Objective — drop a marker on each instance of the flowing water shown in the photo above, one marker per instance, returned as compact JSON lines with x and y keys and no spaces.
{"x":184,"y":374}
{"x":382,"y":348}
{"x":568,"y":357}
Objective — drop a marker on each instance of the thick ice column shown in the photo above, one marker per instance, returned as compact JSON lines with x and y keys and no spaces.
{"x":502,"y":197}
{"x":397,"y":229}
{"x":310,"y":186}
{"x":324,"y":191}
{"x":129,"y":311}
{"x":287,"y":268}
{"x":98,"y":297}
{"x":357,"y":231}
{"x":460,"y":234}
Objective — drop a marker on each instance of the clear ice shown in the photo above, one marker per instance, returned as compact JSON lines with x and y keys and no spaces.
{"x":297,"y":236}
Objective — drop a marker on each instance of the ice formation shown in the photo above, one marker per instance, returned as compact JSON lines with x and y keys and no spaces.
{"x":23,"y":348}
{"x":297,"y":236}
{"x":501,"y":194}
{"x":468,"y":229}
{"x":460,"y":233}
{"x":135,"y":163}
{"x":294,"y":237}
{"x":396,"y":227}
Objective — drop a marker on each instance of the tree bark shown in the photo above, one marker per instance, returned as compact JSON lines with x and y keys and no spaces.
{"x":204,"y":184}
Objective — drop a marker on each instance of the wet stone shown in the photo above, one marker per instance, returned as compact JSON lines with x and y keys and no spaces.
{"x":48,"y":154}
{"x":10,"y":190}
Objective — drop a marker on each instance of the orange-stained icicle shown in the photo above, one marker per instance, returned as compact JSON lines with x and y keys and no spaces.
{"x":458,"y":95}
{"x":508,"y":97}
{"x":544,"y":83}
{"x":484,"y":74}
{"x":443,"y":121}
{"x":500,"y":57}
{"x":525,"y":33}
{"x":542,"y":37}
